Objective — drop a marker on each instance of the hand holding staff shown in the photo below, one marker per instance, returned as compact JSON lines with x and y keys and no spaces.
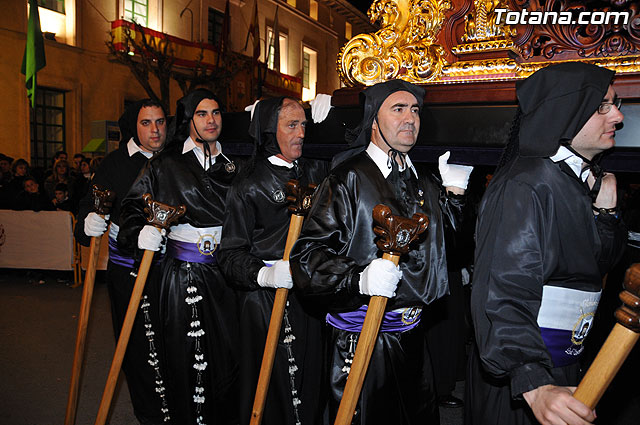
{"x":618,"y":345}
{"x":160,"y":216}
{"x":395,"y":234}
{"x":102,"y":202}
{"x":300,"y":200}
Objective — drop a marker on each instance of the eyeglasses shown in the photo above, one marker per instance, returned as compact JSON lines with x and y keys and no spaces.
{"x":605,"y":107}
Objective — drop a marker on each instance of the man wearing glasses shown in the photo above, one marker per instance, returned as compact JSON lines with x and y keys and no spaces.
{"x":548,"y":231}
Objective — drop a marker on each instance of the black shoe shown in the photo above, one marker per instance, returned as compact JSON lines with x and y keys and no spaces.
{"x":449,"y":401}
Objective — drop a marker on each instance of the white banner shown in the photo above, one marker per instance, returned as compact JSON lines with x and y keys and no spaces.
{"x":36,"y":240}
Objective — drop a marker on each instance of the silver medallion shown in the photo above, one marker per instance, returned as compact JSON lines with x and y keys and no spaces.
{"x":403,"y":237}
{"x":278,"y":196}
{"x":230,"y":167}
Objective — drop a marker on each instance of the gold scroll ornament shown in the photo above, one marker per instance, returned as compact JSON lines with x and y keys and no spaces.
{"x":403,"y":48}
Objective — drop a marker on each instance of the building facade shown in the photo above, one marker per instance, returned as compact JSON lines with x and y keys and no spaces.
{"x":82,"y":90}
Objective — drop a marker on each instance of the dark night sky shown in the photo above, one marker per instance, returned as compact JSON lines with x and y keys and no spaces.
{"x":362,"y":5}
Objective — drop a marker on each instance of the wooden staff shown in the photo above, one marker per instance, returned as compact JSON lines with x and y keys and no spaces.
{"x":395,"y":234}
{"x":300,"y":203}
{"x":102,"y":202}
{"x":618,"y":345}
{"x":161,"y":216}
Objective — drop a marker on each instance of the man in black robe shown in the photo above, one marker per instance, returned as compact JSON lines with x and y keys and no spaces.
{"x":336,"y":263}
{"x":254,"y":237}
{"x":547,"y":233}
{"x":143,"y":131}
{"x":196,"y":307}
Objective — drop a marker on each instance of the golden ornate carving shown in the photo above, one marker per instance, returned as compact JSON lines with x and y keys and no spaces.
{"x":403,"y":48}
{"x":482,"y":25}
{"x":509,"y":69}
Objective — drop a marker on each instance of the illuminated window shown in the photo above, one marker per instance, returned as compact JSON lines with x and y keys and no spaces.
{"x":309,"y":73}
{"x":283,"y":51}
{"x":47,"y":126}
{"x":55,"y":5}
{"x":347,"y":31}
{"x":137,"y":11}
{"x":313,"y":9}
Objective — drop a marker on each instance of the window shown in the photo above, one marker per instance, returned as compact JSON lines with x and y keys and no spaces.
{"x":283,"y":51}
{"x":47,"y":126}
{"x":347,"y":30}
{"x":55,"y":5}
{"x":309,"y":73}
{"x":216,"y":22}
{"x":137,"y":11}
{"x":313,"y":9}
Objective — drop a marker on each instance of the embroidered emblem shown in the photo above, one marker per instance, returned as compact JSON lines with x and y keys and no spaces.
{"x":230,"y":167}
{"x":278,"y":196}
{"x":207,"y":244}
{"x":411,"y":315}
{"x":581,"y":328}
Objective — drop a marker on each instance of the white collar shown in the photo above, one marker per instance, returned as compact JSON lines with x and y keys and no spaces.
{"x":572,"y":160}
{"x":133,"y":148}
{"x":381,"y":159}
{"x":190,"y":145}
{"x":276,"y":160}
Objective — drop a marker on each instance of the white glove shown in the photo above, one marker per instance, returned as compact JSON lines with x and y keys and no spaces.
{"x":453,"y":174}
{"x":276,"y":276}
{"x":150,"y":238}
{"x":320,"y":107}
{"x":251,"y":107}
{"x":94,"y":225}
{"x":381,"y":278}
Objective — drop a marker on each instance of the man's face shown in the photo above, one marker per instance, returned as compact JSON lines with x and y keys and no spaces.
{"x":399,"y":121}
{"x":62,"y":156}
{"x":4,"y":166}
{"x":207,"y":120}
{"x":152,"y":128}
{"x":597,"y":135}
{"x":30,"y":186}
{"x":292,"y":123}
{"x":77,"y":159}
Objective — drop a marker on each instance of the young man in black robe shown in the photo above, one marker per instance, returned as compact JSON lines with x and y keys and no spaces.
{"x":255,"y":232}
{"x":196,"y":307}
{"x":143,"y":131}
{"x":336,"y":262}
{"x":547,"y":233}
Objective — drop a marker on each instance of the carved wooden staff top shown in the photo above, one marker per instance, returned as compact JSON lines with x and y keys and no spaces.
{"x":299,"y":197}
{"x":102,"y":199}
{"x":395,"y":232}
{"x":161,"y":215}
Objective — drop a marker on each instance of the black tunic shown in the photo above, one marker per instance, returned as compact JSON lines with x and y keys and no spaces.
{"x":255,"y":229}
{"x":336,"y":244}
{"x":177,"y":179}
{"x":117,"y":172}
{"x":535,"y":229}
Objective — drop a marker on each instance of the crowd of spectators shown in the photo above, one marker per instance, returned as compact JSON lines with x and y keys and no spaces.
{"x":60,"y":187}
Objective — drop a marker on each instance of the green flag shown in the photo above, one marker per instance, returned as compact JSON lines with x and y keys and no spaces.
{"x":33,"y":59}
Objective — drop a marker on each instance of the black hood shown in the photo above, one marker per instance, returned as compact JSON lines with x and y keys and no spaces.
{"x":264,"y":126}
{"x":128,"y":122}
{"x":556,"y":102}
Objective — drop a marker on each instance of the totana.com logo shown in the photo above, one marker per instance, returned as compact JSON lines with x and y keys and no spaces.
{"x":524,"y":17}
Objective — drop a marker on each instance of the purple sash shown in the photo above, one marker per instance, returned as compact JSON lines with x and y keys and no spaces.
{"x":190,"y":252}
{"x":392,"y":321}
{"x":118,"y":257}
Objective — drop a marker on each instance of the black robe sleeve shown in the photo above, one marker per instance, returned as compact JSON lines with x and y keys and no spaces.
{"x":323,"y":269}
